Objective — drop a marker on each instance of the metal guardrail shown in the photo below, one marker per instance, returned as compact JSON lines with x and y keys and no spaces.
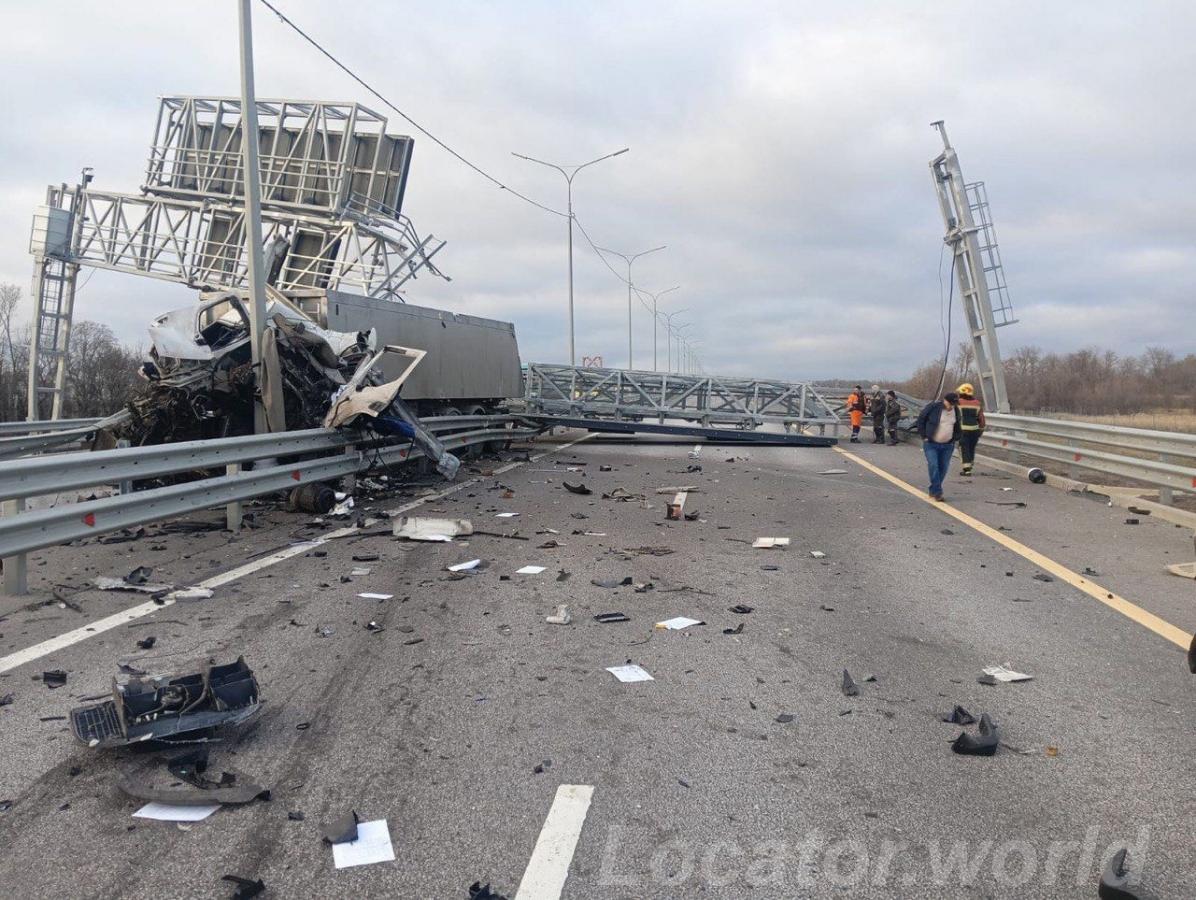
{"x":1169,"y":462}
{"x":21,"y":427}
{"x":347,"y":453}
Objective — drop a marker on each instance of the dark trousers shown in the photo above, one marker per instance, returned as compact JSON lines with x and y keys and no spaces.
{"x":938,"y":460}
{"x":893,"y":435}
{"x":967,"y":447}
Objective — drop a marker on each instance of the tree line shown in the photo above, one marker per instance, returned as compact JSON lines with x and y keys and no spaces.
{"x":101,"y":372}
{"x":1084,"y":382}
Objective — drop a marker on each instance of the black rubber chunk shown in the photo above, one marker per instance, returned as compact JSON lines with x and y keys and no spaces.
{"x":959,"y":716}
{"x":983,"y":743}
{"x":1115,"y":881}
{"x":850,"y":688}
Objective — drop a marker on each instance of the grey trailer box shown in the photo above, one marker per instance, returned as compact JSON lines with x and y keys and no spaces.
{"x":469,"y":358}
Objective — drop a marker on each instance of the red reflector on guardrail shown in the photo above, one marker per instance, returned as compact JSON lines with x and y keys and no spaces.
{"x":90,"y":518}
{"x":1076,"y":457}
{"x":295,"y":475}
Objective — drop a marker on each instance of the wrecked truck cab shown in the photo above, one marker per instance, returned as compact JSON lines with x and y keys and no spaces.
{"x":169,"y":707}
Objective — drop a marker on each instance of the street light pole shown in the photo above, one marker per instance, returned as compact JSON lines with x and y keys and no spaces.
{"x":655,"y":317}
{"x":668,"y":337}
{"x":629,"y":259}
{"x":255,"y":265}
{"x":677,"y":333}
{"x":569,"y":176}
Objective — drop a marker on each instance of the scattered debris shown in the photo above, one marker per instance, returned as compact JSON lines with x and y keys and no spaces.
{"x":608,"y":618}
{"x":785,"y":718}
{"x":849,"y":687}
{"x":1138,"y":511}
{"x":959,"y":716}
{"x":191,"y":593}
{"x":768,"y":543}
{"x":692,"y":516}
{"x":370,"y":845}
{"x":369,"y":595}
{"x":506,"y":515}
{"x":466,"y":566}
{"x":561,"y":616}
{"x":314,"y":497}
{"x":139,"y":583}
{"x":678,"y":623}
{"x":562,"y":575}
{"x":825,"y":608}
{"x":246,"y":888}
{"x":423,"y":528}
{"x":343,"y":830}
{"x":741,"y":608}
{"x":1132,"y":521}
{"x":642,"y":551}
{"x":630,"y":673}
{"x":373,"y":627}
{"x":612,"y":582}
{"x":1115,"y":880}
{"x":833,"y":472}
{"x":982,"y":744}
{"x":55,"y":678}
{"x":817,"y":554}
{"x":576,"y":488}
{"x":676,"y":507}
{"x":365,"y":557}
{"x":622,"y":495}
{"x":530,"y":570}
{"x":189,"y":785}
{"x":1091,"y":572}
{"x":479,"y":891}
{"x":1042,"y":576}
{"x":1037,"y":476}
{"x":738,"y":629}
{"x":606,"y":468}
{"x":164,"y":812}
{"x":147,"y":643}
{"x":1002,"y":674}
{"x":6,"y":699}
{"x":151,"y":707}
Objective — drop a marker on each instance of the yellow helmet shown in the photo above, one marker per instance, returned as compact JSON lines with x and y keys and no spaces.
{"x":966,"y":389}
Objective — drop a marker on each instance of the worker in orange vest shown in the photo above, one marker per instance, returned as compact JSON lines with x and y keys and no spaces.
{"x":856,"y":404}
{"x":971,"y":425}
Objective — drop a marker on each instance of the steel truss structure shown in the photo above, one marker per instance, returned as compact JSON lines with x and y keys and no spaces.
{"x":978,"y":269}
{"x":332,"y":181}
{"x":619,"y":394}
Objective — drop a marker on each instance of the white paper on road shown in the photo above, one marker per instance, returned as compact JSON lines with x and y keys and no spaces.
{"x":372,"y":846}
{"x":168,"y":812}
{"x":465,"y":566}
{"x":369,"y":596}
{"x":833,"y":472}
{"x":1001,"y":673}
{"x":506,"y":515}
{"x":818,"y":554}
{"x":767,"y":543}
{"x":360,"y":571}
{"x":677,"y":623}
{"x":630,"y":673}
{"x":530,"y":570}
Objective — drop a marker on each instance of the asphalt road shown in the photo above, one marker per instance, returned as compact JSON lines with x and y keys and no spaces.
{"x":438,"y":723}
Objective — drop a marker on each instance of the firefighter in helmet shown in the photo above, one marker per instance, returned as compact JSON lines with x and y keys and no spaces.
{"x":971,"y":425}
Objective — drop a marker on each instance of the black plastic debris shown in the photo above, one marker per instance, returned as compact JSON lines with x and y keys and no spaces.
{"x":849,"y":687}
{"x":343,"y":830}
{"x":1191,"y":659}
{"x":741,"y":609}
{"x":189,"y":783}
{"x":1138,"y":511}
{"x":576,"y":488}
{"x":1037,"y":476}
{"x":140,"y":575}
{"x":6,"y":699}
{"x":606,"y":468}
{"x":479,"y":891}
{"x":296,"y":816}
{"x":959,"y":716}
{"x":738,"y":629}
{"x":166,"y":707}
{"x":5,"y":806}
{"x":693,"y":467}
{"x":365,"y":557}
{"x":612,"y":582}
{"x":984,"y":743}
{"x":55,"y":678}
{"x":562,"y":575}
{"x":1091,"y":572}
{"x":785,"y":718}
{"x":692,"y":515}
{"x":608,"y":618}
{"x":1115,"y":880}
{"x":770,"y":568}
{"x":1133,"y":521}
{"x":1042,"y":576}
{"x":246,"y":887}
{"x":374,"y":627}
{"x":147,"y":643}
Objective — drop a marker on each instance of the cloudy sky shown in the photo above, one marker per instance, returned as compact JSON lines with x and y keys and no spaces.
{"x":780,"y":150}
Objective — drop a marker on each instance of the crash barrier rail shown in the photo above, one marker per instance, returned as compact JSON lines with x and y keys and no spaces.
{"x":580,"y":391}
{"x":18,"y":442}
{"x":22,"y":531}
{"x":21,"y":427}
{"x":1163,"y":459}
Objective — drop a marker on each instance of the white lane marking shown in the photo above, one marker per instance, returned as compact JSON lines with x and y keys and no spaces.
{"x":547,"y":870}
{"x":73,"y":637}
{"x":62,"y":641}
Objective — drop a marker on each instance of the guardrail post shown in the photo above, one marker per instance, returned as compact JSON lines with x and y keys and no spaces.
{"x":126,"y":486}
{"x":1166,"y":496}
{"x":16,"y":568}
{"x":233,"y":511}
{"x":349,"y":482}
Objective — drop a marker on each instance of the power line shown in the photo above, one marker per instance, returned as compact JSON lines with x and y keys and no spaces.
{"x":414,"y":124}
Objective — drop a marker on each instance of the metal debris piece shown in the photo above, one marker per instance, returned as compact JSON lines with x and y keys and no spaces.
{"x":959,"y":716}
{"x":982,"y":744}
{"x":1116,"y":878}
{"x":424,"y":528}
{"x":608,"y":618}
{"x":343,"y":830}
{"x":155,"y":707}
{"x":576,"y":488}
{"x":849,"y":687}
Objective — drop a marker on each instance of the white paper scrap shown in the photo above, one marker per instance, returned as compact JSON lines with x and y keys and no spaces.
{"x":465,"y":566}
{"x":530,"y":570}
{"x":506,"y":515}
{"x":360,"y":571}
{"x":372,"y":846}
{"x":369,"y":596}
{"x":767,"y":543}
{"x":168,"y":812}
{"x":1001,"y":673}
{"x":630,"y":673}
{"x":677,"y":623}
{"x":818,"y":554}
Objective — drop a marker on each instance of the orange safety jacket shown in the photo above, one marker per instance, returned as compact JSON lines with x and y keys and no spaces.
{"x":971,"y":414}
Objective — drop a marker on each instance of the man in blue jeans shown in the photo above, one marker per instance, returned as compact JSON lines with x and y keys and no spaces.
{"x":938,"y":424}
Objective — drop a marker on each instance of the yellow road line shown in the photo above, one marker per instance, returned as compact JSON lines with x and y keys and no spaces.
{"x":1161,"y":627}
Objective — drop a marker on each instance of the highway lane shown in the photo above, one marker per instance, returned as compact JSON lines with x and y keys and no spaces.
{"x":697,"y":788}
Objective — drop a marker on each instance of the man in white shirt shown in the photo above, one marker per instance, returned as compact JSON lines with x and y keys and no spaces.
{"x":938,"y":424}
